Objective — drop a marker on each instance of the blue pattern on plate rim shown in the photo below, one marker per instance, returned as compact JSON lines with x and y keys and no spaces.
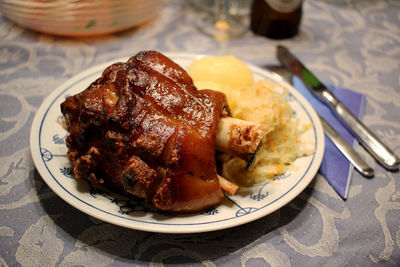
{"x":46,"y":154}
{"x":125,"y":207}
{"x":59,"y":140}
{"x":67,"y":172}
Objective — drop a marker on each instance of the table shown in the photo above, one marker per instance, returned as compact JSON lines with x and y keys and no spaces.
{"x":352,"y":44}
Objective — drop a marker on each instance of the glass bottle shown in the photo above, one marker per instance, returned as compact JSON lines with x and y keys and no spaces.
{"x":276,"y":19}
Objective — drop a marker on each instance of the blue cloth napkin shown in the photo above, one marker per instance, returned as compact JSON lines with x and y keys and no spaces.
{"x":335,"y":167}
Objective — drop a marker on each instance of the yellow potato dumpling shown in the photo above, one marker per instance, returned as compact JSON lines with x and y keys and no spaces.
{"x":224,"y":70}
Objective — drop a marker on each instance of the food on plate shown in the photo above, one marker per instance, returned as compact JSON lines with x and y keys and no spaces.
{"x":262,"y":102}
{"x":223,"y":70}
{"x":144,"y":129}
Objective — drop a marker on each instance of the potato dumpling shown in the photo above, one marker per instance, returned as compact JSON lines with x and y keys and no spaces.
{"x":224,"y":70}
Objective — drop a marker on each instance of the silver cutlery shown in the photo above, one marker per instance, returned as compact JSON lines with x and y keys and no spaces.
{"x":368,"y":140}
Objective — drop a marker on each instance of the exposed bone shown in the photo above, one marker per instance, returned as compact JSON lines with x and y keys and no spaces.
{"x":238,"y":137}
{"x":227,"y":186}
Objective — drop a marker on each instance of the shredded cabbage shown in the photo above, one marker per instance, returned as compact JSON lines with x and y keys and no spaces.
{"x":264,"y":102}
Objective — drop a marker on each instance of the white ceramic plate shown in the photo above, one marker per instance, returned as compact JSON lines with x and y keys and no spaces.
{"x":47,"y":143}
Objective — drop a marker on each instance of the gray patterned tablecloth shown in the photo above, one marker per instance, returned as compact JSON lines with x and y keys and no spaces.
{"x":352,"y":44}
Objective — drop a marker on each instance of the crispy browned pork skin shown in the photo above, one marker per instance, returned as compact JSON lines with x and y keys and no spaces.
{"x":143,"y":128}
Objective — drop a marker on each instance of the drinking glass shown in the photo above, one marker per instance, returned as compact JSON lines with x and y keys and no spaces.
{"x":220,"y":24}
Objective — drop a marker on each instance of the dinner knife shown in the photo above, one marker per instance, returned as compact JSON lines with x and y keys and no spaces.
{"x":370,"y":142}
{"x":341,"y":144}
